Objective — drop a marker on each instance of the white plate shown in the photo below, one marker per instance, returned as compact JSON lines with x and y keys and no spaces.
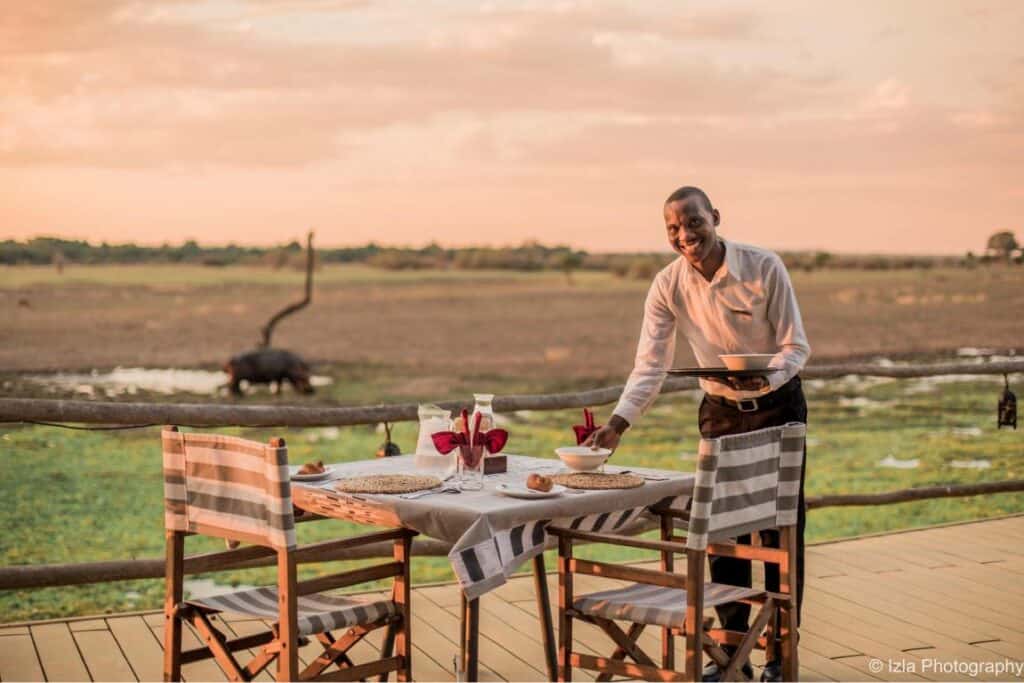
{"x":514,"y":491}
{"x":311,"y":477}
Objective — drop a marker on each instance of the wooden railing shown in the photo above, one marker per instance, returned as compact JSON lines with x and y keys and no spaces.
{"x":231,"y":415}
{"x":219,"y":415}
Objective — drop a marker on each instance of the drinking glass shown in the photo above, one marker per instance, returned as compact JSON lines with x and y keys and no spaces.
{"x":471,"y":468}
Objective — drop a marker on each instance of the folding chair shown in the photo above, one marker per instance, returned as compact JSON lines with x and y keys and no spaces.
{"x":240,"y":490}
{"x":744,"y":483}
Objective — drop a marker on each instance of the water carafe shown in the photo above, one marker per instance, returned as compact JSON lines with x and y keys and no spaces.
{"x":433,"y":419}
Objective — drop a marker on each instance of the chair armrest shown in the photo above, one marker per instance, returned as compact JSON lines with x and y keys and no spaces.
{"x":617,"y":539}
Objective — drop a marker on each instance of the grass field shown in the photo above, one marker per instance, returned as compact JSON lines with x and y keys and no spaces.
{"x":432,"y":326}
{"x":81,"y":496}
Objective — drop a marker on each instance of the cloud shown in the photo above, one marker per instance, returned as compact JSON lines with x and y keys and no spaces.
{"x":888,"y":96}
{"x":459,"y":107}
{"x":129,"y":83}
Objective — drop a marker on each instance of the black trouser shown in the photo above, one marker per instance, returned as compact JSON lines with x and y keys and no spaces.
{"x":718,"y":418}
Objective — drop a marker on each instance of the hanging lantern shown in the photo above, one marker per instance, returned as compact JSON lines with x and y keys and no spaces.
{"x":1007,"y":407}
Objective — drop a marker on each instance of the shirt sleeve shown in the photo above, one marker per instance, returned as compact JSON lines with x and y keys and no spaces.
{"x":654,"y":354}
{"x":784,"y":315}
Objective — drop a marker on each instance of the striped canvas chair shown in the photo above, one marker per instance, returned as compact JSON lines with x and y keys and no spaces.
{"x":240,"y":490}
{"x":744,"y":483}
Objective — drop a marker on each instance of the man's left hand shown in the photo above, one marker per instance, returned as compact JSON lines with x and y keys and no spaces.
{"x":743,"y":383}
{"x":749,"y":383}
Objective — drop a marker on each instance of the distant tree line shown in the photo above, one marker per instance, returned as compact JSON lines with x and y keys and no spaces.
{"x":530,"y":256}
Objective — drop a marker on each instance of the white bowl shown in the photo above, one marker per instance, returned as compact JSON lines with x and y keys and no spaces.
{"x":583,"y":458}
{"x":747,"y":361}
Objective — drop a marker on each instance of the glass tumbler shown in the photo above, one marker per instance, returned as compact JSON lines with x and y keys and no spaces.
{"x":471,"y":468}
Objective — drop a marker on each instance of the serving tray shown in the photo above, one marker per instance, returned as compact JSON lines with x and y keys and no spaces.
{"x":721,"y":373}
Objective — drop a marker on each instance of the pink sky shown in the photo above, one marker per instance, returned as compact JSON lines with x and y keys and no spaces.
{"x":847,"y":126}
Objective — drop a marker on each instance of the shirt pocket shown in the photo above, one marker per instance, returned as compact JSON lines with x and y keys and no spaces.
{"x":744,"y":316}
{"x":740,"y":314}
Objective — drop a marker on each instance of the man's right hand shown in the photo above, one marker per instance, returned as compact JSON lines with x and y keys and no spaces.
{"x":609,"y":435}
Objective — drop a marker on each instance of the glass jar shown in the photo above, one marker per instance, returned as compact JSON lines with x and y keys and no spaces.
{"x":484,"y":406}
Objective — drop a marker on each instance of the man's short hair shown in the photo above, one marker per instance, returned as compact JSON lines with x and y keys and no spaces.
{"x":688,"y":191}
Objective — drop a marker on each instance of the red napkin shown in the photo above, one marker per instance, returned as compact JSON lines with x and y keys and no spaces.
{"x":446,"y":442}
{"x":588,"y":427}
{"x":493,"y":440}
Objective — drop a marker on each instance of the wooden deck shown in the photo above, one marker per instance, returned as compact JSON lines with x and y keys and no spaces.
{"x":947,"y":594}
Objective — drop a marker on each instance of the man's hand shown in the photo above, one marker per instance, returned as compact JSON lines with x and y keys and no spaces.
{"x":742,"y":383}
{"x":609,"y":435}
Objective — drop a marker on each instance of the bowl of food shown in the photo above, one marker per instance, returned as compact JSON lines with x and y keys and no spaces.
{"x":583,"y":458}
{"x":747,"y":361}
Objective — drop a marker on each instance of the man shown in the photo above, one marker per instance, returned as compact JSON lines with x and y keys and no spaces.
{"x":724,"y":297}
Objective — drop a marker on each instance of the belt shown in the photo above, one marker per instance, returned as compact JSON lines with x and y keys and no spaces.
{"x":751,"y":405}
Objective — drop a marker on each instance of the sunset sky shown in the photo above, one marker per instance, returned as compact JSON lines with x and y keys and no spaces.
{"x":847,"y":126}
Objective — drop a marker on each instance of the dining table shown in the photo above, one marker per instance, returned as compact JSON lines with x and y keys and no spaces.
{"x":491,"y":534}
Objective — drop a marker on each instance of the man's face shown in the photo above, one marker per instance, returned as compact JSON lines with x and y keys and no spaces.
{"x":690,"y":225}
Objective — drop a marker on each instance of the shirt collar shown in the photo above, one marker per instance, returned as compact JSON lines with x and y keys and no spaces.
{"x":731,"y":264}
{"x":730,"y":267}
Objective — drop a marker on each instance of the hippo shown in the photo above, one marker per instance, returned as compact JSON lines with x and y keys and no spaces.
{"x":263,"y":366}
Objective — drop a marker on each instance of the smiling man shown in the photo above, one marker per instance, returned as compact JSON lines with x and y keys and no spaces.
{"x":724,"y":297}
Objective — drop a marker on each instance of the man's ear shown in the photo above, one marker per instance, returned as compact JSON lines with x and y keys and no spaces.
{"x":716,"y":216}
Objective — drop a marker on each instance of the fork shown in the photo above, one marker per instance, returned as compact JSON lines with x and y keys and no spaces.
{"x":429,"y":492}
{"x":643,"y":475}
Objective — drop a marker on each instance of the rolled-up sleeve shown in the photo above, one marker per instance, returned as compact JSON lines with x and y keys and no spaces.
{"x":654,"y":354}
{"x":784,"y":315}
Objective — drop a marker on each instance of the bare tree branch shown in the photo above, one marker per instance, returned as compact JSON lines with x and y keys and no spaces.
{"x":268,"y":329}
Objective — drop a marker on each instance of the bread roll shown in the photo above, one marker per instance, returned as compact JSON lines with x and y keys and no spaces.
{"x":538,"y":482}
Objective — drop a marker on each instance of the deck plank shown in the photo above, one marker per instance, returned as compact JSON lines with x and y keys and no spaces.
{"x":102,"y":655}
{"x":828,"y":612}
{"x":521,"y":618}
{"x":1004,"y":602}
{"x":1001,"y":648}
{"x":205,"y":670}
{"x":58,"y":653}
{"x":505,"y":665}
{"x":905,"y":635}
{"x":879,"y":594}
{"x":18,"y":659}
{"x":246,"y":627}
{"x":994,"y":576}
{"x":439,"y":636}
{"x":140,"y":646}
{"x":833,"y":669}
{"x":87,"y":625}
{"x":14,"y":631}
{"x":957,"y":540}
{"x":948,"y":593}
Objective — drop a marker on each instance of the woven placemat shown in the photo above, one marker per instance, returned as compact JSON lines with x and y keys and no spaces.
{"x":386,"y":483}
{"x":594,"y":480}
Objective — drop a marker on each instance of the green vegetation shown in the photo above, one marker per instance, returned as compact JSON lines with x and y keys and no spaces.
{"x":72,"y":496}
{"x":526,"y":257}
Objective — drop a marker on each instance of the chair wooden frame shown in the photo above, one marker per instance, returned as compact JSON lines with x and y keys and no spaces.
{"x":281,"y":643}
{"x":777,"y":615}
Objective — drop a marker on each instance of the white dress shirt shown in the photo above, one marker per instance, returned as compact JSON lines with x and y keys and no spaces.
{"x":748,"y":307}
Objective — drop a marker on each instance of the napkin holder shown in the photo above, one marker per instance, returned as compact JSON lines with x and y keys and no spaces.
{"x":495,"y":464}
